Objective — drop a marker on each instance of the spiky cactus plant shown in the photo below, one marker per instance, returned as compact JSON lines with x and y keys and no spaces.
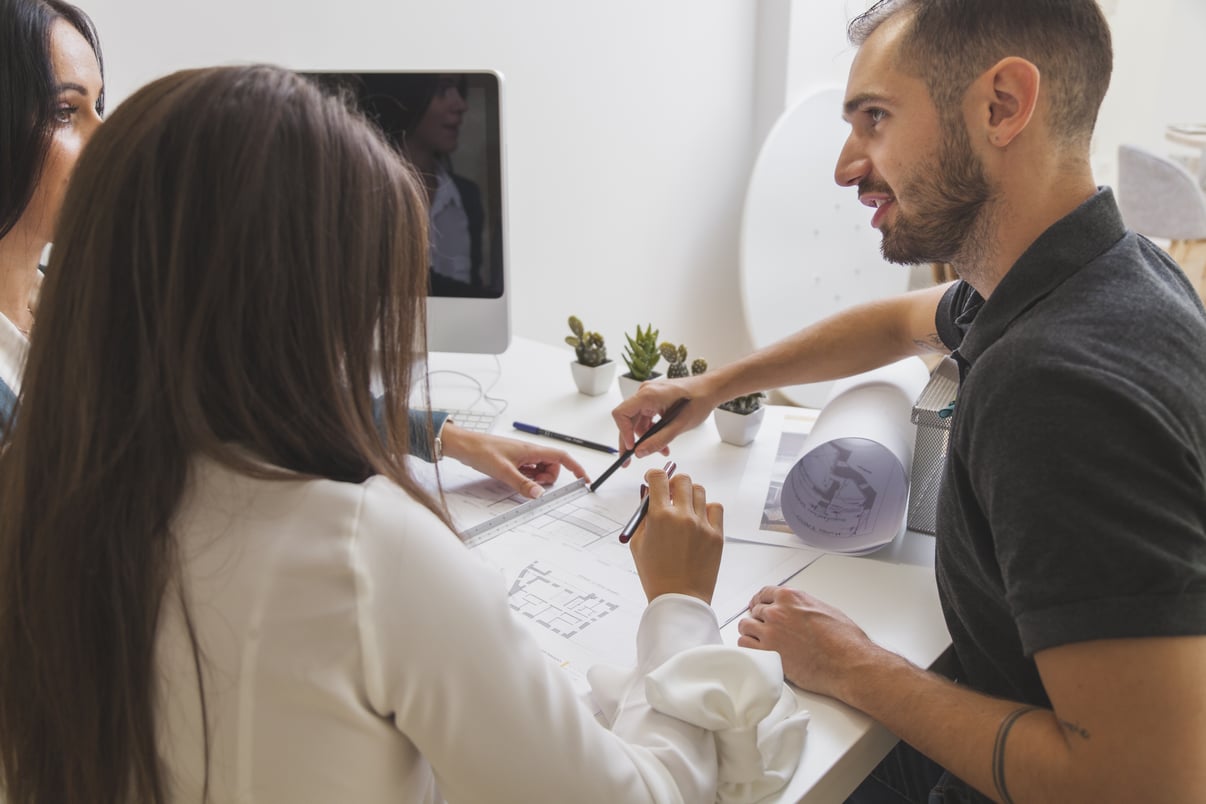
{"x":677,"y":358}
{"x":641,"y":353}
{"x":744,"y":404}
{"x":588,"y":346}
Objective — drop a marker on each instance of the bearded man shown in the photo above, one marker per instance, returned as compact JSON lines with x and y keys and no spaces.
{"x":1071,"y":530}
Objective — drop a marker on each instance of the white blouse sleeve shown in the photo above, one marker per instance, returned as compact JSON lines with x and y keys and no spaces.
{"x":468,"y":686}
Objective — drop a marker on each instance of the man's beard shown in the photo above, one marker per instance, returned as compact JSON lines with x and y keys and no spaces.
{"x":948,"y":199}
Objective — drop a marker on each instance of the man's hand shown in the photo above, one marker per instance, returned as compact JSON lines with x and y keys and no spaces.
{"x":635,"y":415}
{"x":1126,"y":723}
{"x":818,"y":643}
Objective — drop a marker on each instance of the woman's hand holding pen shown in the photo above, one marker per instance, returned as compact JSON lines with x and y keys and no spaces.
{"x":677,"y":548}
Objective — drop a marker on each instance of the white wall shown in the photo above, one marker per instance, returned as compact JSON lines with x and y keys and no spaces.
{"x":1159,"y":77}
{"x":631,"y":125}
{"x":627,"y":125}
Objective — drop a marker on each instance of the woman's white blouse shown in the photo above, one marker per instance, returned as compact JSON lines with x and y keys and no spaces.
{"x":353,"y":650}
{"x":14,"y":348}
{"x":14,"y":344}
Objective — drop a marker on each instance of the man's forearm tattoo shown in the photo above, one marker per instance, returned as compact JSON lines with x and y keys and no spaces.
{"x":998,"y":752}
{"x":1075,"y":728}
{"x":931,"y":343}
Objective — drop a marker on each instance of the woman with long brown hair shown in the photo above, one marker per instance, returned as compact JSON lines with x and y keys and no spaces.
{"x":218,"y":580}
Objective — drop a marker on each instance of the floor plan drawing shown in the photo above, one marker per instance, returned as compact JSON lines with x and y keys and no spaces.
{"x":568,"y":577}
{"x":543,"y":597}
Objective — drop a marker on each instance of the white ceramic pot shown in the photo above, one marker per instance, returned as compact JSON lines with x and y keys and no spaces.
{"x":593,"y":380}
{"x":629,"y":386}
{"x":738,"y":428}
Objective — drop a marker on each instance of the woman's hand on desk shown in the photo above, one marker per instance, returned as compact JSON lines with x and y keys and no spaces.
{"x":523,"y":466}
{"x":677,"y":548}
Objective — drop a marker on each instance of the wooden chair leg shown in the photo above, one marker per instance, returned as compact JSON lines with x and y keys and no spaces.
{"x":943,"y":273}
{"x":1191,"y":256}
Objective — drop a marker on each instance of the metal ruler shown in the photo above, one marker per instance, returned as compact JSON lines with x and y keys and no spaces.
{"x":524,"y":512}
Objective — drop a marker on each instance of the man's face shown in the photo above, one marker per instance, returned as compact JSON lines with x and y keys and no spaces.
{"x":946,"y":198}
{"x":916,"y":167}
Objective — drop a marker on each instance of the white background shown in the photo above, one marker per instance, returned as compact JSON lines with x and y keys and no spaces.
{"x":631,"y":125}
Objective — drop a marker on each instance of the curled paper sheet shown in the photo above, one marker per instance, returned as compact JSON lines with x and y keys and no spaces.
{"x":848,"y":492}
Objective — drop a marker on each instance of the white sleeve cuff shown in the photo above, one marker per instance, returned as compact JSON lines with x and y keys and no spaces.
{"x":671,"y":624}
{"x":736,"y":694}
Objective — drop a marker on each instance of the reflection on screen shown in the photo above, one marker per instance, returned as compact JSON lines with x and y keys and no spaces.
{"x":447,"y":126}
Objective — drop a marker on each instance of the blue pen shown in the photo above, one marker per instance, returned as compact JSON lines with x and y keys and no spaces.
{"x":569,"y":439}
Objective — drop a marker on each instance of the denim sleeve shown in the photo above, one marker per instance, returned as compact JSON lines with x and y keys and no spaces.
{"x":420,"y":436}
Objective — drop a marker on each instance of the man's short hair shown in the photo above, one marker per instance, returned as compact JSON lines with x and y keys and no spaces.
{"x":949,"y":43}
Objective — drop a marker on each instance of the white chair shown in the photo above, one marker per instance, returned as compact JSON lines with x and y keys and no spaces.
{"x":807,"y":246}
{"x":1161,"y":199}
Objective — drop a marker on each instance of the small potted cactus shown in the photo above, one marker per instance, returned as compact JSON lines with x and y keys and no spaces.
{"x":592,"y":371}
{"x":641,"y":355}
{"x":738,"y":420}
{"x":676,"y":356}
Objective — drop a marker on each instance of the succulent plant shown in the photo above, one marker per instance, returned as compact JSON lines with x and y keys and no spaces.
{"x":641,"y":353}
{"x":677,"y":358}
{"x":587,"y":345}
{"x":744,"y":404}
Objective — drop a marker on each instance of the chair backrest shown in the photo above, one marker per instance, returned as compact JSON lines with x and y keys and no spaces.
{"x":807,"y":249}
{"x":1158,"y":197}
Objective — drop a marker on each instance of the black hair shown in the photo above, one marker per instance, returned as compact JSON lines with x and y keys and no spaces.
{"x":950,"y":42}
{"x":27,"y":85}
{"x":396,"y":102}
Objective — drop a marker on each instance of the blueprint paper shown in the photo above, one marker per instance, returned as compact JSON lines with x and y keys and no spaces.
{"x":570,"y":580}
{"x":848,"y":490}
{"x":757,"y":513}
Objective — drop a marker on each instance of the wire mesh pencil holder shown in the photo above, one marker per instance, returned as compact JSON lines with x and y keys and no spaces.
{"x":932,"y":415}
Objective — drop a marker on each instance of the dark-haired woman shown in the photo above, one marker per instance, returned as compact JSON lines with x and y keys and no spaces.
{"x":52,"y":87}
{"x":218,"y":580}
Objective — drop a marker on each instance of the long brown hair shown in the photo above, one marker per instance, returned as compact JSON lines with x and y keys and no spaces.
{"x":235,"y":246}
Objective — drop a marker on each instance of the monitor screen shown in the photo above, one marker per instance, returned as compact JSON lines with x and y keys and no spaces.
{"x":449,"y":127}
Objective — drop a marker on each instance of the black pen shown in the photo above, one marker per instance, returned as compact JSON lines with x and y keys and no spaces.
{"x":642,"y":509}
{"x":670,"y":413}
{"x":582,"y":442}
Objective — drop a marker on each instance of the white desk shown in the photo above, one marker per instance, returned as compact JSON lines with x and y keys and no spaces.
{"x":891,"y":594}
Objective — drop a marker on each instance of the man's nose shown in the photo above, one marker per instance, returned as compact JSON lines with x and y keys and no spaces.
{"x":852,"y":165}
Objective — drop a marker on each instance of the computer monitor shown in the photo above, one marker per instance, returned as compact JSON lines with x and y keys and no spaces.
{"x":449,"y":126}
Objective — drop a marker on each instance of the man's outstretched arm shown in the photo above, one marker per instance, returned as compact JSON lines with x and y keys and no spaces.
{"x":858,"y":339}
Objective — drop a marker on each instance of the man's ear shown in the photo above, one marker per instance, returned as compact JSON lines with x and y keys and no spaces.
{"x":1004,"y":98}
